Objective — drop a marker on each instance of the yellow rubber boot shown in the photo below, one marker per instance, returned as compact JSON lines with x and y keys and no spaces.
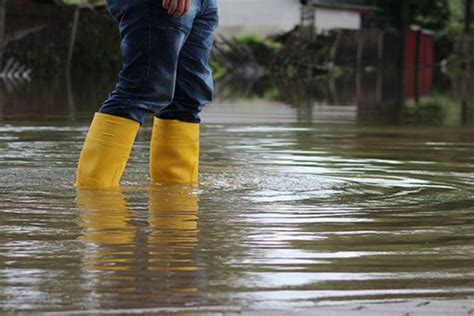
{"x":174,"y":152}
{"x":106,"y":151}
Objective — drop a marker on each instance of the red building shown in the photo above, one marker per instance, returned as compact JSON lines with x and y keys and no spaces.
{"x":419,"y":60}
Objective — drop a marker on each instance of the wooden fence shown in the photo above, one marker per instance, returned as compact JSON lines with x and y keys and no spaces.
{"x":365,"y":47}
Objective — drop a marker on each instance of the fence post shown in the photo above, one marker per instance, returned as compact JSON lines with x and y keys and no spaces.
{"x":72,"y":42}
{"x":380,"y":48}
{"x":360,"y":47}
{"x":418,"y":65}
{"x":335,"y":46}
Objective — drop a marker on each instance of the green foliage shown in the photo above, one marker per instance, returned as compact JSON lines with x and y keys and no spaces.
{"x":444,"y":17}
{"x":445,"y":37}
{"x":437,"y":109}
{"x":255,"y":42}
{"x":218,"y":70}
{"x":262,"y":49}
{"x":431,"y":14}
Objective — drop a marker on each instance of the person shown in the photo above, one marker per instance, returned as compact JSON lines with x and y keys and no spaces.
{"x":165,"y":46}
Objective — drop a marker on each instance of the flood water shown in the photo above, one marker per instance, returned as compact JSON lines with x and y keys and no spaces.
{"x":297,"y":206}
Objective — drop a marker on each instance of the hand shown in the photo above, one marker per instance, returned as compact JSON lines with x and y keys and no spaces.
{"x":177,"y":7}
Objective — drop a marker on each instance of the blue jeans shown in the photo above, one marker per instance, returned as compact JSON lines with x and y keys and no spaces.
{"x":165,"y":67}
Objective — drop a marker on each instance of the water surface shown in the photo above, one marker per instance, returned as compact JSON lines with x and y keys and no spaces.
{"x":289,"y":213}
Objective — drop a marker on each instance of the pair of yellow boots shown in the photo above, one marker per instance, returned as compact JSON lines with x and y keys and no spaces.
{"x":174,"y":152}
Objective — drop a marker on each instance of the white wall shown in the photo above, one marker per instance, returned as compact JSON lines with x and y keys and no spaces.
{"x":327,"y":19}
{"x":266,"y":17}
{"x":261,"y":17}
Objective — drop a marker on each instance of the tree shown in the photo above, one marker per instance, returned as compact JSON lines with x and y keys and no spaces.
{"x":430,"y":14}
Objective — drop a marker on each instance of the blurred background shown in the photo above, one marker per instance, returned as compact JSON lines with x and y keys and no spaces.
{"x":360,"y":60}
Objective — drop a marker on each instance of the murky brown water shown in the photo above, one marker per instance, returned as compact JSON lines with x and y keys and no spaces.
{"x":288,"y":214}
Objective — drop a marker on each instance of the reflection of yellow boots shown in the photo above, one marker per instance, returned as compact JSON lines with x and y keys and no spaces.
{"x":174,"y":152}
{"x":105,"y":217}
{"x":173,"y":219}
{"x":106,"y":151}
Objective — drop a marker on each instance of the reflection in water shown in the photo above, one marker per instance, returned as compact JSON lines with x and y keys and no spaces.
{"x":173,"y":238}
{"x":154,"y":259}
{"x":173,"y":219}
{"x":106,"y":219}
{"x":356,"y":95}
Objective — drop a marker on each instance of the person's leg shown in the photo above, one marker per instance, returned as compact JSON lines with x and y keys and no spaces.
{"x":174,"y":152}
{"x":151,"y":41}
{"x":194,"y":83}
{"x":150,"y":46}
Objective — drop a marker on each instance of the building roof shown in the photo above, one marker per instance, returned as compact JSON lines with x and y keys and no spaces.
{"x":341,"y":5}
